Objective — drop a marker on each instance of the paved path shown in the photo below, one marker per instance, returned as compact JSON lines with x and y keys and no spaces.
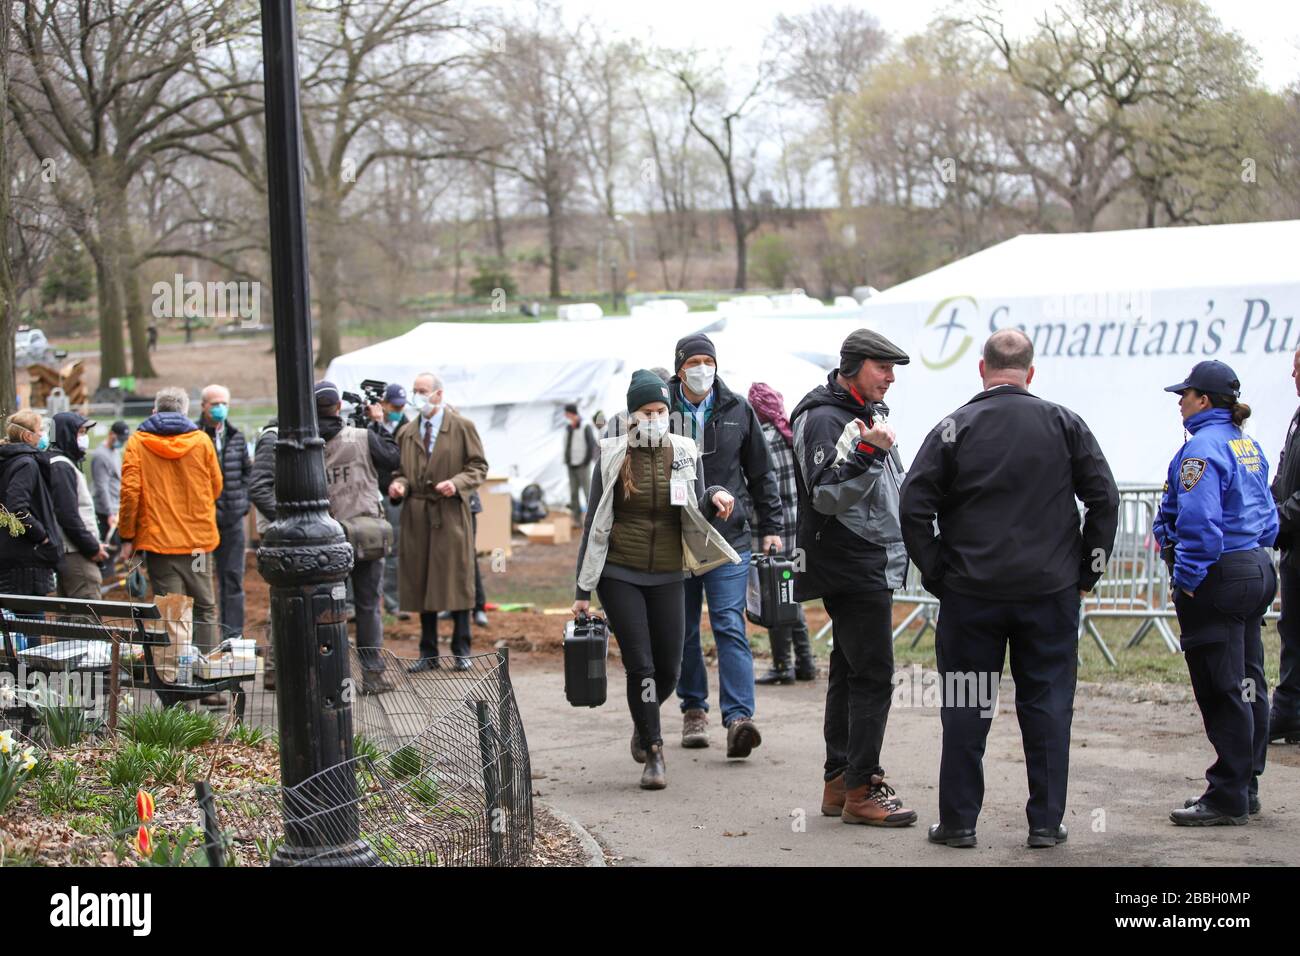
{"x":1131,"y":762}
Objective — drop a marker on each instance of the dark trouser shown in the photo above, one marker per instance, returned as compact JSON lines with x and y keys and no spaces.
{"x":460,"y":637}
{"x":791,"y":636}
{"x":860,"y":685}
{"x":1220,"y":626}
{"x":35,"y":581}
{"x":79,"y":577}
{"x":367,"y":579}
{"x":394,"y":515}
{"x":230,"y":578}
{"x":480,"y":596}
{"x":648,"y":622}
{"x":192,"y":575}
{"x":971,"y":645}
{"x":1286,"y":695}
{"x":579,"y":478}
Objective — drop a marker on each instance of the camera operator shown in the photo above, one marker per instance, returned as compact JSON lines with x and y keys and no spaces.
{"x":352,"y":469}
{"x":387,"y":418}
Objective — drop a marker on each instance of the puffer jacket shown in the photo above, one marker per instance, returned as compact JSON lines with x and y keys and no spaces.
{"x":848,"y":498}
{"x":236,"y":472}
{"x":171,"y":480}
{"x":25,"y":493}
{"x":647,"y":531}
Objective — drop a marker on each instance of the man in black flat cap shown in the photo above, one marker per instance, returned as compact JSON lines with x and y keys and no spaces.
{"x":999,"y":477}
{"x":848,"y":473}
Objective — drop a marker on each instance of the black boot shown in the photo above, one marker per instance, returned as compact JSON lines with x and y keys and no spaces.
{"x":652,"y":777}
{"x":805,"y":662}
{"x":781,"y":671}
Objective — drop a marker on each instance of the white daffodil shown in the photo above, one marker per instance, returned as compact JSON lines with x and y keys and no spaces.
{"x":29,"y":759}
{"x":6,"y":741}
{"x":7,"y":696}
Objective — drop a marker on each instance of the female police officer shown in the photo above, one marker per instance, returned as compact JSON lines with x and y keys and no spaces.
{"x":1216,"y":523}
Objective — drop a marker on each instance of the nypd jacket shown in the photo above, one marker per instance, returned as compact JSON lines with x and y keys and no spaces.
{"x":734,"y":455}
{"x":1001,"y":475}
{"x":1286,"y":493}
{"x":848,"y":498}
{"x":1216,"y":498}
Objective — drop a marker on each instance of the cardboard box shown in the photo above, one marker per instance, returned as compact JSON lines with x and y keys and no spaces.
{"x":494,"y":519}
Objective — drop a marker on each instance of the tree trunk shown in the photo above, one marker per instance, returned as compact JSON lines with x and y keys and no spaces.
{"x":498,"y":234}
{"x":553,"y":244}
{"x":112,"y":351}
{"x":8,"y":311}
{"x":137,"y":319}
{"x":327,"y":281}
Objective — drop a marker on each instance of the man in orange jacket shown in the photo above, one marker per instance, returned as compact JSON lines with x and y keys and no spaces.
{"x":171,"y":480}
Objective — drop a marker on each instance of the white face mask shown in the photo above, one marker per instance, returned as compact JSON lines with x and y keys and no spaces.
{"x":83,"y":442}
{"x":653,"y":429}
{"x":699,"y":378}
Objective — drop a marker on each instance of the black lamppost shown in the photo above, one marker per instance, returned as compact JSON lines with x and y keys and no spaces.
{"x":304,"y":555}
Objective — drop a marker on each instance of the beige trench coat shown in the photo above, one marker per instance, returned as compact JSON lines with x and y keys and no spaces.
{"x":435,"y":570}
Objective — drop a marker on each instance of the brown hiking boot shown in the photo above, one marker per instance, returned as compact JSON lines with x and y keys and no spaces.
{"x":833,"y":797}
{"x":695,"y":728}
{"x":876,"y":805}
{"x":742,"y":738}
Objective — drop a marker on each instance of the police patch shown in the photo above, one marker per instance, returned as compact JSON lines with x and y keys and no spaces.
{"x":1190,"y":472}
{"x":819,"y":456}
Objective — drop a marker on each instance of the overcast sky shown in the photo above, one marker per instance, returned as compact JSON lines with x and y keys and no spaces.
{"x":1272,"y":27}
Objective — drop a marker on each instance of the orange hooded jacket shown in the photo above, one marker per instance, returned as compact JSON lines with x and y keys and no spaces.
{"x":170,"y":486}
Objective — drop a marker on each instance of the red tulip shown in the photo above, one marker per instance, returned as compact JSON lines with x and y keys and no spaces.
{"x":143,"y":806}
{"x":143,"y":841}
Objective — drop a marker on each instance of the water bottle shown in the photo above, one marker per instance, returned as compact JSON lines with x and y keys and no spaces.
{"x":185,"y":665}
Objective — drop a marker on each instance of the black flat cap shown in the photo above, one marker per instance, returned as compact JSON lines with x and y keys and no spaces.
{"x":866,"y":344}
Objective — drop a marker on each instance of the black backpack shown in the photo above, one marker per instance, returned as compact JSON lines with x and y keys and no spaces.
{"x":530,"y":507}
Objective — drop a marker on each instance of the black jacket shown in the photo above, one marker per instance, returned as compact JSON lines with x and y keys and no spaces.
{"x":382,"y":467}
{"x":63,"y":484}
{"x":734,"y":455}
{"x":383,"y":447}
{"x":236,"y":471}
{"x":1001,"y":474}
{"x":848,"y":497}
{"x":261,"y":480}
{"x":1286,"y":492}
{"x":25,"y":493}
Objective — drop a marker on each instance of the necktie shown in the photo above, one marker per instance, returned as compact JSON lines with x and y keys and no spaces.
{"x":428,"y":438}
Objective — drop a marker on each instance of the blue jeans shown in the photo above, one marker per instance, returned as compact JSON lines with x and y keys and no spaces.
{"x":725,"y":587}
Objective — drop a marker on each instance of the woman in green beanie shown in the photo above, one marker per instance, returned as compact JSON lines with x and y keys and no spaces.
{"x":647,"y":529}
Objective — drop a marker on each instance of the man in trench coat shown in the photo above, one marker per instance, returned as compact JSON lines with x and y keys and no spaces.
{"x":441,"y":463}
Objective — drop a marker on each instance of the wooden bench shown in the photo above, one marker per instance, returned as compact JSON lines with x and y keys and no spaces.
{"x":112,"y":622}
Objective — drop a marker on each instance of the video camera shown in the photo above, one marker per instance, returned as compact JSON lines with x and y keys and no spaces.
{"x":372,"y":394}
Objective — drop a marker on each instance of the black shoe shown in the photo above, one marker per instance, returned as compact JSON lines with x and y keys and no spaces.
{"x":951,"y":836}
{"x":1048,"y":836}
{"x":652,"y":777}
{"x":403,"y":616}
{"x":776,"y":675}
{"x":376,"y":683}
{"x":1253,"y":805}
{"x":1200,"y":815}
{"x":1279,"y":729}
{"x":424,"y":664}
{"x":480,"y":619}
{"x":805,"y":673}
{"x":462,"y":664}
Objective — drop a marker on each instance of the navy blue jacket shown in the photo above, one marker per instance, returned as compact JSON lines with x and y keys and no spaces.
{"x":1216,"y":498}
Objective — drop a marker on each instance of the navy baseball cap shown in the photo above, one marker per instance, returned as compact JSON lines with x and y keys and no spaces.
{"x":1211,"y":377}
{"x":395,"y":395}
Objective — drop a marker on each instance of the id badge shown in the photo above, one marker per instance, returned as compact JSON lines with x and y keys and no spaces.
{"x":678,"y":489}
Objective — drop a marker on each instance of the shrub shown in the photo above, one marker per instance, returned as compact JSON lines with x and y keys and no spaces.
{"x":772,"y":259}
{"x":492,"y":275}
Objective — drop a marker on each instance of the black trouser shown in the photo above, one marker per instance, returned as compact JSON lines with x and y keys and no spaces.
{"x":229,"y":558}
{"x":971,"y":641}
{"x":860,"y":684}
{"x":367,"y":580}
{"x":460,"y":638}
{"x":1286,"y":695}
{"x":480,"y":597}
{"x":649,"y":623}
{"x":1220,"y":626}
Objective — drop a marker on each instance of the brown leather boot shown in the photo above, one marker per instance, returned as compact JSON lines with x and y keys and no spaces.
{"x":876,"y":805}
{"x":833,"y":797}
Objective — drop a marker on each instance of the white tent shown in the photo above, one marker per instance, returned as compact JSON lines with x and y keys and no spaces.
{"x":513,"y":379}
{"x":1115,"y":317}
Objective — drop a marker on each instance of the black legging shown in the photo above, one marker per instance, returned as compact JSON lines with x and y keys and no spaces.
{"x":649,"y":623}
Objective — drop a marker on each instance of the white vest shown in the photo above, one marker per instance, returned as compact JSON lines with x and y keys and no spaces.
{"x":703,"y":548}
{"x":85,"y":503}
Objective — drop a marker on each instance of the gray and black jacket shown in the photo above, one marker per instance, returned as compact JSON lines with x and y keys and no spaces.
{"x":261,"y":481}
{"x":236,"y":470}
{"x":848,"y":498}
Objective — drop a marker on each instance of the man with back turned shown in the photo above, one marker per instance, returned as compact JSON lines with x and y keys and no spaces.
{"x":1008,"y":563}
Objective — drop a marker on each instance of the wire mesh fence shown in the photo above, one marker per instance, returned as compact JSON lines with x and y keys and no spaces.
{"x":440,"y":773}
